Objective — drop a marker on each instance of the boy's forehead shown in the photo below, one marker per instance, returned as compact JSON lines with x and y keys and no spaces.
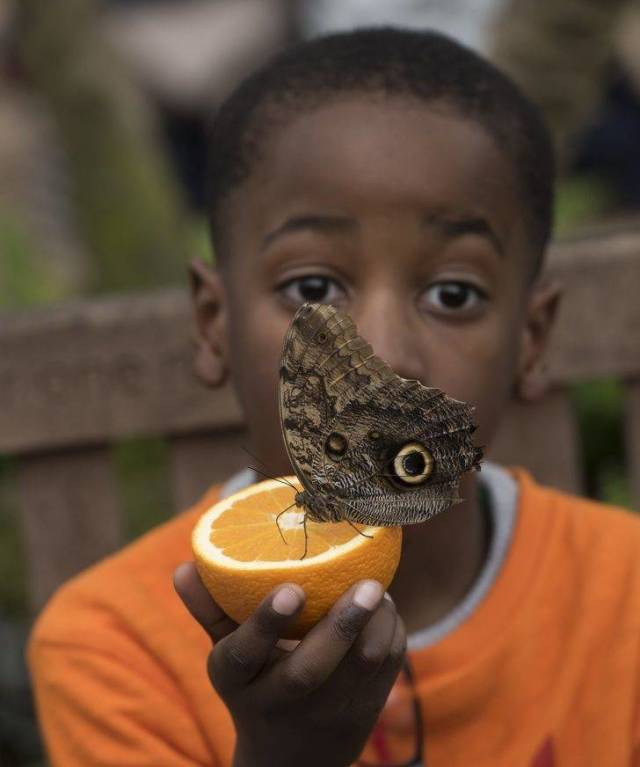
{"x":378,"y":133}
{"x":388,"y":146}
{"x":388,"y":155}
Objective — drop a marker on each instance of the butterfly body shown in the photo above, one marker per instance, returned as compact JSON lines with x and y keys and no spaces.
{"x":367,"y":445}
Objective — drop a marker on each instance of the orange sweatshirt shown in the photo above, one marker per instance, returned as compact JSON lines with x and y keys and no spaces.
{"x":544,"y":673}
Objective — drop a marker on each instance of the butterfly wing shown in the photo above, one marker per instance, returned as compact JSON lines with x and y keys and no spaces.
{"x":346,"y":416}
{"x":305,"y":407}
{"x":368,"y":477}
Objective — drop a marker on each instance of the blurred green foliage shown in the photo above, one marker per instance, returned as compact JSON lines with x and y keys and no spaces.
{"x":146,"y":494}
{"x":128,"y":207}
{"x":27,"y":278}
{"x":580,"y":200}
{"x":599,"y":408}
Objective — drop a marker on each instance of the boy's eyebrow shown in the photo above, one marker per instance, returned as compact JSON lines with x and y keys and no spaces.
{"x":328,"y":224}
{"x":457,"y":227}
{"x":315,"y":222}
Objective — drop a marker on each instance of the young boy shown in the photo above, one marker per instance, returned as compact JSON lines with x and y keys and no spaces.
{"x":402,"y":178}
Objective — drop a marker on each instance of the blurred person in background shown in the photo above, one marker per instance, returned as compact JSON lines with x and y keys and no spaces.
{"x":187,"y":55}
{"x":578,"y":60}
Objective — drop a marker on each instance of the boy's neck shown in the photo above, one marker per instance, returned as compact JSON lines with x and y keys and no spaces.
{"x":440,"y":560}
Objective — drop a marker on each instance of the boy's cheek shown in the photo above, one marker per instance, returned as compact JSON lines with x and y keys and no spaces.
{"x":493,"y":388}
{"x":482,"y":372}
{"x":255,"y":351}
{"x":257,"y":334}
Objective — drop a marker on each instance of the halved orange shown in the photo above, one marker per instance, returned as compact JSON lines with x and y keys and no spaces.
{"x":241,"y":555}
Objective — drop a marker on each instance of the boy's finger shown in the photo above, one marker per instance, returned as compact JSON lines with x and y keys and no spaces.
{"x":324,"y":647}
{"x":369,"y":653}
{"x":198,"y":601}
{"x":391,"y":667}
{"x":242,"y":655}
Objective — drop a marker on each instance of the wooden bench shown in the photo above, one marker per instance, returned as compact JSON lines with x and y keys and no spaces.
{"x":78,"y":378}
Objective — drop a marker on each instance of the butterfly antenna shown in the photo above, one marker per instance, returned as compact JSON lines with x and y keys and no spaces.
{"x":276,"y":479}
{"x":263,"y":473}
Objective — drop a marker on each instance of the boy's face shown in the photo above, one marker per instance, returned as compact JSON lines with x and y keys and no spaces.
{"x":404,"y":215}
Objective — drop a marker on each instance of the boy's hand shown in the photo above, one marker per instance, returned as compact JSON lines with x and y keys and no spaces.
{"x":317,"y":704}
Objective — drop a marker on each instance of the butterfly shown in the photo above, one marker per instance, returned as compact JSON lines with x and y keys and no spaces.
{"x":367,"y":445}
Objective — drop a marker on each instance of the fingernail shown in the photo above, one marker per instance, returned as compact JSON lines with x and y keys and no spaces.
{"x":286,"y":601}
{"x":287,"y":644}
{"x":368,"y":594}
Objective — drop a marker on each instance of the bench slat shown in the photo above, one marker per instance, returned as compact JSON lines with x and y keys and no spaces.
{"x":543,"y":438}
{"x":71,"y":515}
{"x":97,"y":372}
{"x":598,"y":324}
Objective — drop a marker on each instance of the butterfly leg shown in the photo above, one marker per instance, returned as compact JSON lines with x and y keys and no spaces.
{"x":284,"y":540}
{"x":359,"y":531}
{"x":304,"y":523}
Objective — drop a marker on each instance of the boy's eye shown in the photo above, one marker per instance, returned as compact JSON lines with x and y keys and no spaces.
{"x":314,"y":288}
{"x":453,"y":296}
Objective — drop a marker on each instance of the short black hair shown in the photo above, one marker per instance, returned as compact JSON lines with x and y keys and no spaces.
{"x":423,"y":65}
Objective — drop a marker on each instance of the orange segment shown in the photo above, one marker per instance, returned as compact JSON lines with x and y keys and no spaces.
{"x":245,"y":531}
{"x":249,"y":543}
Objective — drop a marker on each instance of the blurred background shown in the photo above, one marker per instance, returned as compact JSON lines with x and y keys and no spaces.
{"x":103,"y":107}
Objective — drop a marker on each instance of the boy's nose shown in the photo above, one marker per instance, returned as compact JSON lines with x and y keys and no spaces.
{"x":394,"y":337}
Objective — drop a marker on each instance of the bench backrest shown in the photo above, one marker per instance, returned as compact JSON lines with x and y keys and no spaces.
{"x":76,"y":379}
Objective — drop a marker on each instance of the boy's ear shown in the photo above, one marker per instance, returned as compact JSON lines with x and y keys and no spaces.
{"x":210,"y":324}
{"x":532,"y":380}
